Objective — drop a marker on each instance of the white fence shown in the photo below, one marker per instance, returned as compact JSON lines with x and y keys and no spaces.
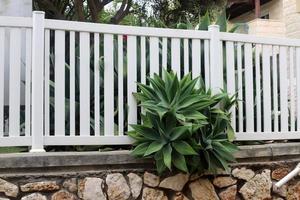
{"x":79,"y":79}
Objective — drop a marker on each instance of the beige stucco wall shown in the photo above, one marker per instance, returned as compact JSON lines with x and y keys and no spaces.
{"x":273,"y":8}
{"x":285,"y":11}
{"x":291,"y":18}
{"x":265,"y":27}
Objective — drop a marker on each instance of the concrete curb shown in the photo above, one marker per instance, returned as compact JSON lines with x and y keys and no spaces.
{"x":121,"y":160}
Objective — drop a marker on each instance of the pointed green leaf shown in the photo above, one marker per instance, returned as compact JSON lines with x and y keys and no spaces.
{"x":230,"y":133}
{"x":167,"y":154}
{"x":147,"y":132}
{"x":140,"y":149}
{"x":179,"y":162}
{"x":204,"y":22}
{"x":179,"y":132}
{"x":154,"y":147}
{"x":183,"y":148}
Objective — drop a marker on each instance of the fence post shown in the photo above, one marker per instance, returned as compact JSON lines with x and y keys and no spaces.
{"x":37,"y":122}
{"x":216,"y":63}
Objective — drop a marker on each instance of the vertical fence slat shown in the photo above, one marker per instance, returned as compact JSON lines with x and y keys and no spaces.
{"x":283,"y":88}
{"x":240,"y":86}
{"x":131,"y":78}
{"x":143,"y":60}
{"x":59,"y":83}
{"x":275,"y":88}
{"x":175,"y":56}
{"x":230,"y":77}
{"x":258,"y":87}
{"x":120,"y":85}
{"x":206,"y":64}
{"x":72,"y":84}
{"x":2,"y":47}
{"x":47,"y":82}
{"x":196,"y":58}
{"x":14,"y":81}
{"x":28,"y":83}
{"x":108,"y":85}
{"x":267,"y":88}
{"x":249,"y":88}
{"x":292,"y":90}
{"x":85,"y":83}
{"x":215,"y":58}
{"x":37,"y":98}
{"x":154,"y":56}
{"x":164,"y":53}
{"x":297,"y":86}
{"x":186,"y":56}
{"x":96,"y":85}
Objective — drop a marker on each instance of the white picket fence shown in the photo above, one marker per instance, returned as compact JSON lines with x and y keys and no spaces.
{"x":53,"y":90}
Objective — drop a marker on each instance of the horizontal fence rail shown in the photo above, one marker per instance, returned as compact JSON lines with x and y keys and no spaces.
{"x":71,"y":83}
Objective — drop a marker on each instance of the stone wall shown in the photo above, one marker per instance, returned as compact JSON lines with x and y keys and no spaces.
{"x":244,"y":182}
{"x":116,"y":175}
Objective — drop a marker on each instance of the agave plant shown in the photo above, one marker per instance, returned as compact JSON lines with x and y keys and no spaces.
{"x":164,"y":139}
{"x":217,"y":135}
{"x":173,"y":96}
{"x":184,"y":126}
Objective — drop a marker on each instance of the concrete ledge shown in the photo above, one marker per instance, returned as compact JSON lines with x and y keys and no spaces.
{"x":121,"y":160}
{"x":268,"y":150}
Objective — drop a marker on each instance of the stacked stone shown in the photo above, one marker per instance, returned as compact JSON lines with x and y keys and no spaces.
{"x":241,"y":183}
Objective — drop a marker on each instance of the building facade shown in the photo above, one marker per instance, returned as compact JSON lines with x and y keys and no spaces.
{"x":278,"y":18}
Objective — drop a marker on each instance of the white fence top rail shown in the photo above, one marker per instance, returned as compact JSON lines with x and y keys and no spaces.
{"x":245,"y":38}
{"x":124,"y":30}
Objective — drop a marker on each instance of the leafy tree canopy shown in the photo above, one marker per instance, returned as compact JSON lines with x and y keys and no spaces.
{"x":171,"y":12}
{"x":158,"y":13}
{"x":85,"y":10}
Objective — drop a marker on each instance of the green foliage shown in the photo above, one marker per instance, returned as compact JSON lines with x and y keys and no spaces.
{"x":184,"y":126}
{"x":206,"y":20}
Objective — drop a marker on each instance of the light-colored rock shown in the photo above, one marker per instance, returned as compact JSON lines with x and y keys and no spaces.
{"x":224,"y":181}
{"x":34,"y":196}
{"x":203,"y":189}
{"x":70,"y":185}
{"x":259,"y":187}
{"x":63,"y":195}
{"x":117,"y":188}
{"x":91,"y":189}
{"x":293,"y":191}
{"x":279,"y":173}
{"x":175,"y":183}
{"x":2,"y":198}
{"x":151,"y":179}
{"x":135,"y":184}
{"x":229,"y":193}
{"x":9,"y":189}
{"x":277,"y":198}
{"x":179,"y":196}
{"x":153,"y":194}
{"x":243,"y":173}
{"x":42,"y":186}
{"x":281,"y":191}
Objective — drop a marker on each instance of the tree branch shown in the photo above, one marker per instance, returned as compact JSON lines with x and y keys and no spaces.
{"x":122,"y":12}
{"x":79,"y":10}
{"x":93,"y":10}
